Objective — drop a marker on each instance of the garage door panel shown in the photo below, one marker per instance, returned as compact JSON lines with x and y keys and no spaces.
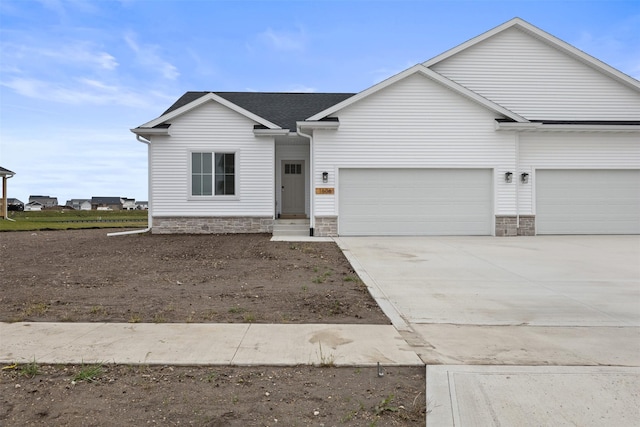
{"x":415,"y":202}
{"x":588,"y":202}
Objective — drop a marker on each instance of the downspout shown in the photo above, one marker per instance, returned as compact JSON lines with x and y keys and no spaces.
{"x":5,"y":214}
{"x":149,"y":212}
{"x":517,"y":182}
{"x":312,"y":220}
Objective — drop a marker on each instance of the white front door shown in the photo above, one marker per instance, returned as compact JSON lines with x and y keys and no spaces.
{"x":293,"y":187}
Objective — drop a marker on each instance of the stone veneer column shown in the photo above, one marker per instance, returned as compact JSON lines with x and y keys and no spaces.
{"x":506,"y":226}
{"x":326,"y":226}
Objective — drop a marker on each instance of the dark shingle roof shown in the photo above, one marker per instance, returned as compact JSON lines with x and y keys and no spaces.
{"x":283,"y":109}
{"x":4,"y":171}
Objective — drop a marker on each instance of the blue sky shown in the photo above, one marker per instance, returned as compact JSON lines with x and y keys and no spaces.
{"x":76,"y":75}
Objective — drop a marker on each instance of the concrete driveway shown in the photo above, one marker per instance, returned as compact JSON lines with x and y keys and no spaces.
{"x":521,"y":305}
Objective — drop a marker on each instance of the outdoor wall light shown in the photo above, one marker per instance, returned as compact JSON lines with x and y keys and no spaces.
{"x":325,"y":177}
{"x":508,"y":176}
{"x":524,"y":177}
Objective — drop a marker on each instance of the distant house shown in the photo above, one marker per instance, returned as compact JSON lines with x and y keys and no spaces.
{"x":79,"y":204}
{"x":33,"y":206}
{"x":106,"y":203}
{"x":45,"y":201}
{"x":14,"y":205}
{"x":5,"y":174}
{"x":142,"y":205}
{"x":128,"y":204}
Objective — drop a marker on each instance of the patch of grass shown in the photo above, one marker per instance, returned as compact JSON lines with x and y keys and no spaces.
{"x":237,"y":310}
{"x":350,"y":279}
{"x":135,"y":318}
{"x":159,"y":318}
{"x":30,"y":370}
{"x":326,"y":360}
{"x":98,"y":310}
{"x":322,"y":278}
{"x":89,"y":373}
{"x":36,"y":309}
{"x":55,"y":219}
{"x":336,"y":308}
{"x":209,"y":315}
{"x":249,"y":318}
{"x":385,"y":406}
{"x":211,"y":376}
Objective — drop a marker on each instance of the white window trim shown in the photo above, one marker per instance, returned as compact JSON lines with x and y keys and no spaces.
{"x":236,"y":152}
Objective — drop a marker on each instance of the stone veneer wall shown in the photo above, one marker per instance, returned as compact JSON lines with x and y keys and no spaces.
{"x":326,"y":226}
{"x":211,"y":225}
{"x":507,"y":226}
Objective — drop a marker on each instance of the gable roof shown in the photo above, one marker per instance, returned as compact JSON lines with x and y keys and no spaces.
{"x":546,"y":37}
{"x":421,"y":69}
{"x":271,"y":109}
{"x":6,"y":172}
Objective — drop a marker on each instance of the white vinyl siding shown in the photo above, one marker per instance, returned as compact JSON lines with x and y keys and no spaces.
{"x":588,"y":201}
{"x":414,"y":123}
{"x":212,"y":128}
{"x":415,"y":202}
{"x":534,"y":79}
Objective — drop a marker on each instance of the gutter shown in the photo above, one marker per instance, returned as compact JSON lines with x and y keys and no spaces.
{"x":312,"y":221}
{"x":149,"y":215}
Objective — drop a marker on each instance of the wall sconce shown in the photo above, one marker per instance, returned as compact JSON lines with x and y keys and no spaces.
{"x":325,"y":177}
{"x":508,"y":176}
{"x":524,"y":177}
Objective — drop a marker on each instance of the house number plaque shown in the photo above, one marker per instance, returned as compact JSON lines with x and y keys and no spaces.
{"x":329,"y":190}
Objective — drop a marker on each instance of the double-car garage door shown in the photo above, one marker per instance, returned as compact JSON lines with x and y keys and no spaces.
{"x":415,"y":202}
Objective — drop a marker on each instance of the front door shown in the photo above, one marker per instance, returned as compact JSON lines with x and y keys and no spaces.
{"x":293,"y":188}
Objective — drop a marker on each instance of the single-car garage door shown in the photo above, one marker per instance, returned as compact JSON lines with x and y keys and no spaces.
{"x":415,"y":202}
{"x":588,"y":201}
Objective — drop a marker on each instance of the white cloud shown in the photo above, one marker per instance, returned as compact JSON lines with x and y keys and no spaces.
{"x":147,"y":55}
{"x":284,"y":40}
{"x":80,"y":92}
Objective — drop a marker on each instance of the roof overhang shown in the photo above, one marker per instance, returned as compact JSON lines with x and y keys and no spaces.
{"x":568,"y":127}
{"x":318,"y":124}
{"x":147,"y":132}
{"x":6,"y":173}
{"x":262,"y":131}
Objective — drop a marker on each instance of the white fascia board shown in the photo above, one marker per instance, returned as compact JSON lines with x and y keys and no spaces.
{"x":150,"y":131}
{"x":318,"y":124}
{"x":270,"y":132}
{"x":419,"y":68}
{"x":549,"y":39}
{"x":542,"y":127}
{"x":206,"y":98}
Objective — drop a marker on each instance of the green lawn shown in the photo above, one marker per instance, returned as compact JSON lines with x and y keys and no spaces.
{"x":67,"y":220}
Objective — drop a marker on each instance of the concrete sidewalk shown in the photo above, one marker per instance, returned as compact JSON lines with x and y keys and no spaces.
{"x":205,"y":344}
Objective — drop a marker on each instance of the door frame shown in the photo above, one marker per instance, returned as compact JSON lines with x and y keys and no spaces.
{"x":302,"y":193}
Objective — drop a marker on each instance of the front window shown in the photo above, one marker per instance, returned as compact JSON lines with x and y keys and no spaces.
{"x":213,"y":174}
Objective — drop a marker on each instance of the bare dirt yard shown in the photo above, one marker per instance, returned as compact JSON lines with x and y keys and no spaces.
{"x":85,"y":276}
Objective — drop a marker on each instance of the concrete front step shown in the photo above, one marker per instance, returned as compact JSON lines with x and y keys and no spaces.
{"x":291,"y":227}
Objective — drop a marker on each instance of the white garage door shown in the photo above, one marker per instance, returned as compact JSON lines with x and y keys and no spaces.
{"x":415,"y":202}
{"x":588,"y":202}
